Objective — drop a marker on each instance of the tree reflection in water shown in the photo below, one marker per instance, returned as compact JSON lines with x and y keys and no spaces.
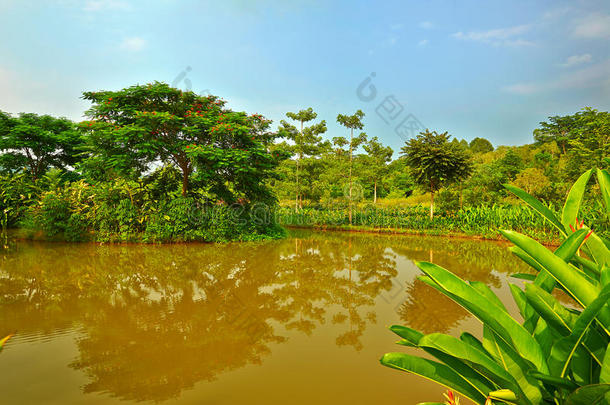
{"x":155,"y":320}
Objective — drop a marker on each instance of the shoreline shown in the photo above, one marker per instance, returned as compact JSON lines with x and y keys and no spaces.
{"x":410,"y":232}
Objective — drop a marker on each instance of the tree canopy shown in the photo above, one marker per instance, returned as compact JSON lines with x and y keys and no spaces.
{"x":435,"y":161}
{"x":131,"y":128}
{"x":37,"y":143}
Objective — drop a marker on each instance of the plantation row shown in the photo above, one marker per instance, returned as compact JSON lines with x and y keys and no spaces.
{"x":484,"y":221}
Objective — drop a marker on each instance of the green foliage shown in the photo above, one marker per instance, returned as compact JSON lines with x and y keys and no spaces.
{"x":557,"y":355}
{"x":133,"y":127}
{"x":36,"y":143}
{"x":126,"y":211}
{"x":480,"y":145}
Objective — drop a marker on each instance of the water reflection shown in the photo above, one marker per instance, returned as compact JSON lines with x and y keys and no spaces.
{"x":155,"y":320}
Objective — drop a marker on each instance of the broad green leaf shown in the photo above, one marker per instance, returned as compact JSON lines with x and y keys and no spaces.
{"x":527,"y":312}
{"x":433,"y":371}
{"x":411,"y":336}
{"x":603,"y":179}
{"x":555,"y":381}
{"x":474,"y":342}
{"x":514,"y":364}
{"x":487,"y":293}
{"x":537,"y":206}
{"x":573,"y":201}
{"x":574,"y":282}
{"x":589,"y":395}
{"x":604,"y":376}
{"x":598,"y":250}
{"x":550,"y":309}
{"x":564,"y":349}
{"x":488,"y":312}
{"x":472,"y":356}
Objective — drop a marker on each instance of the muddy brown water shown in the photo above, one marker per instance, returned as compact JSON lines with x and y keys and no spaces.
{"x":296,"y":321}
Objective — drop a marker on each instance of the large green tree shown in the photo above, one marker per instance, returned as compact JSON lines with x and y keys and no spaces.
{"x":436,"y":162}
{"x":37,"y":142}
{"x":352,"y":122}
{"x":377,"y":157}
{"x":131,"y":128}
{"x":480,"y":145}
{"x":307,"y":141}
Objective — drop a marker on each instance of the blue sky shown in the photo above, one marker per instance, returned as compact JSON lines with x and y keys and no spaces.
{"x":473,"y":68}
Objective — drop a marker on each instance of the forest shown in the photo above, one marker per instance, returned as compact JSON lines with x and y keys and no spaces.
{"x":152,"y":163}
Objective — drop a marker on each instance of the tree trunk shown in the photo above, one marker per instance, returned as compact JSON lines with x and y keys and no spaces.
{"x":296,"y":199}
{"x":185,"y":181}
{"x":375,"y":194}
{"x":431,"y":203}
{"x":351,"y":136}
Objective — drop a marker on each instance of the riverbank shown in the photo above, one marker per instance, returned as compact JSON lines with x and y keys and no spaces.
{"x":413,"y":232}
{"x":478,"y":223}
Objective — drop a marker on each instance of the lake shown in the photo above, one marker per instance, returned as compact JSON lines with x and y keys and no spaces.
{"x":296,"y":321}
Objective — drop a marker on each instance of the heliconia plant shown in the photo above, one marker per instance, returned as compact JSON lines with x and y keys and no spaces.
{"x":557,"y":354}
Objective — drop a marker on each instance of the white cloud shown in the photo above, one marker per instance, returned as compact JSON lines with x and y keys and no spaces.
{"x":423,"y":43}
{"x":497,"y":37}
{"x":427,"y":25}
{"x":589,"y":77}
{"x":133,"y":44}
{"x":592,"y":27}
{"x":577,"y":60}
{"x":104,"y":5}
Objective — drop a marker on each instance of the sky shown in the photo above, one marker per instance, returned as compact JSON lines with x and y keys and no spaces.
{"x":491,"y":69}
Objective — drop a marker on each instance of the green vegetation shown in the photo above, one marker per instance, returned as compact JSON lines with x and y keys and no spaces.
{"x":558,"y":354}
{"x":154,"y":163}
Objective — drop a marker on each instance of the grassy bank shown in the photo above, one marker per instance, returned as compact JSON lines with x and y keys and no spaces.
{"x":481,"y":222}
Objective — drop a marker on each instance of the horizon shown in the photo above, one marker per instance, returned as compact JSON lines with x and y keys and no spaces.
{"x":493,"y":72}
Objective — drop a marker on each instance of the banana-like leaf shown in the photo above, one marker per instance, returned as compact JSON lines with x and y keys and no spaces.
{"x":487,"y":293}
{"x":514,"y":364}
{"x":573,"y":201}
{"x":489,"y":313}
{"x":604,"y":375}
{"x":589,"y":395}
{"x":433,"y":371}
{"x":522,"y":276}
{"x":550,"y":309}
{"x":564,"y":349}
{"x":537,"y":206}
{"x":603,"y":179}
{"x":476,"y":379}
{"x":527,"y":312}
{"x":598,"y":250}
{"x":474,"y":342}
{"x":409,"y":335}
{"x":604,"y":278}
{"x":555,"y":381}
{"x":574,"y":282}
{"x":472,"y":356}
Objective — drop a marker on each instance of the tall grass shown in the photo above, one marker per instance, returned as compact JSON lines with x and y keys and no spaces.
{"x":482,"y":221}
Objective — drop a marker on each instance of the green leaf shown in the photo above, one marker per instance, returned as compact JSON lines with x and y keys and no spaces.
{"x":574,"y":282}
{"x":503,"y":395}
{"x":433,"y":371}
{"x":589,"y":395}
{"x":537,"y":206}
{"x":573,"y":201}
{"x":488,"y":312}
{"x":472,"y":356}
{"x":410,"y":336}
{"x":555,"y":381}
{"x":564,"y":349}
{"x":603,"y":179}
{"x":604,"y":376}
